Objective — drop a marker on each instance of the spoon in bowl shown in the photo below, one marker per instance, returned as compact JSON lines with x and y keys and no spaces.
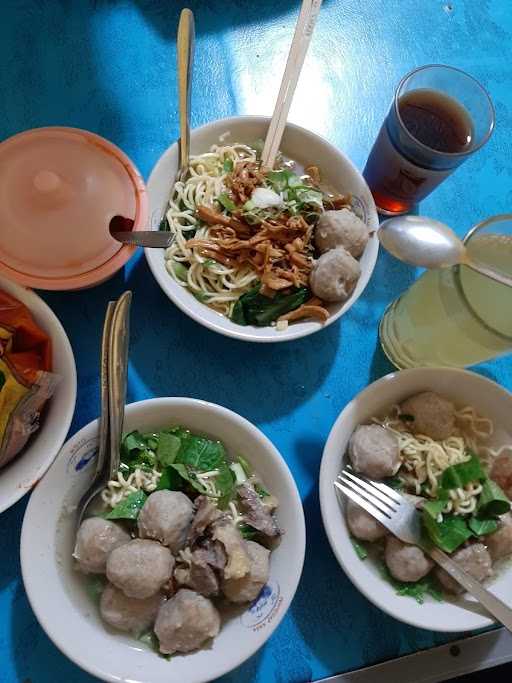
{"x":120,"y":227}
{"x":428,"y":243}
{"x":113,"y":372}
{"x":121,"y":230}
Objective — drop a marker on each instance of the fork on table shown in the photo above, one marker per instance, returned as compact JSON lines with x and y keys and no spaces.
{"x":402,"y":518}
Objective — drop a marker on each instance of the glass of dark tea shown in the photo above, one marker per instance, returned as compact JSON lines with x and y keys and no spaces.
{"x":439,"y":117}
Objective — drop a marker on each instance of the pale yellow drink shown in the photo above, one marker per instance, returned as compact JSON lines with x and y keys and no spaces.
{"x":454,"y":316}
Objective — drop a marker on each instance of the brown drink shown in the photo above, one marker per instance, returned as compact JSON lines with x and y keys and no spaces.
{"x":425,"y":136}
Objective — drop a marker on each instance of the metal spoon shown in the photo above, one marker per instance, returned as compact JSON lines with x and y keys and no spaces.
{"x":428,"y":243}
{"x":113,"y":366}
{"x":119,"y":226}
{"x":120,"y":229}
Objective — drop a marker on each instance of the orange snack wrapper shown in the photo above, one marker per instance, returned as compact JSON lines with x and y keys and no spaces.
{"x":26,"y":380}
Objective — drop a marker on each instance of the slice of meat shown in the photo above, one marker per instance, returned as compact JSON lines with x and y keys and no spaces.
{"x":238,"y":562}
{"x":256,"y":514}
{"x":213,"y":553}
{"x":206,"y":514}
{"x":306,"y":311}
{"x":213,"y":217}
{"x":198,"y":575}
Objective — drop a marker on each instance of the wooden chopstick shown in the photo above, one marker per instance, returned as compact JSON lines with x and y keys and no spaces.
{"x":300,"y":43}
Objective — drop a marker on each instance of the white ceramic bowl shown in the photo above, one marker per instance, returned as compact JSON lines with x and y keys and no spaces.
{"x":56,"y":592}
{"x":20,"y":475}
{"x":299,"y":144}
{"x":463,"y":388}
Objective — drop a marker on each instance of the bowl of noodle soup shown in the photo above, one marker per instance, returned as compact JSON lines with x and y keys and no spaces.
{"x":482,"y":410}
{"x":205,"y":284}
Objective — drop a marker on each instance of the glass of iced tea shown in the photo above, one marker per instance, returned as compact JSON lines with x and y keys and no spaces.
{"x":438,"y":118}
{"x":455,"y":316}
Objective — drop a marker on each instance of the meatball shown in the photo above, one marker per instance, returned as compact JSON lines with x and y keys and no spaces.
{"x":248,"y":587}
{"x":185,"y":622}
{"x":362,"y":525}
{"x":166,"y":517}
{"x":334,"y":275}
{"x":501,"y":473}
{"x":432,"y":415}
{"x":140,"y":568}
{"x":95,"y":539}
{"x":374,"y":451}
{"x":474,"y":559}
{"x":341,"y":229}
{"x":406,"y":562}
{"x":499,"y":544}
{"x":129,"y":614}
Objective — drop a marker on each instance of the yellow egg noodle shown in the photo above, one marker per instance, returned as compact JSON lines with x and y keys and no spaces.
{"x":424,"y":459}
{"x":215,"y":284}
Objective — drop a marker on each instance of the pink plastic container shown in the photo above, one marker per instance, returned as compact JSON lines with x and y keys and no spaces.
{"x":59,"y":188}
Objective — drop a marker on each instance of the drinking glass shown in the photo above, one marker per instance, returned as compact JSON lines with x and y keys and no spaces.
{"x":455,"y":316}
{"x":436,"y":103}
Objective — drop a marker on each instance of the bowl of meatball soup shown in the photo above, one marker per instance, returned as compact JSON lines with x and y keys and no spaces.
{"x":187,"y":561}
{"x":442,"y":438}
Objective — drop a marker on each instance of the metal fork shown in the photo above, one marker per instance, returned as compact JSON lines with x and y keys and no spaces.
{"x":402,"y":518}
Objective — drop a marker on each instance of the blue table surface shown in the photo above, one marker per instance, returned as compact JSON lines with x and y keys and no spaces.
{"x":109,"y":66}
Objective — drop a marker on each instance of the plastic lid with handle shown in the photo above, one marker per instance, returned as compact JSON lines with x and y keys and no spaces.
{"x":59,"y":188}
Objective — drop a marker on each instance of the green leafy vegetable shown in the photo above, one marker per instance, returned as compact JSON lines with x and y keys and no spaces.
{"x":189,"y":476}
{"x":171,"y":480}
{"x":129,"y":507}
{"x":492,"y":502}
{"x":179,"y":270}
{"x":225,"y":484}
{"x":227,"y":202}
{"x":136,"y":453}
{"x":150,"y":639}
{"x":482,"y":527}
{"x":262,"y":493}
{"x":238,"y":314}
{"x":419,"y":590}
{"x":310,"y":196}
{"x":253,"y":308}
{"x":295,"y":191}
{"x":238,"y":471}
{"x":201,"y":296}
{"x":458,"y":476}
{"x":245,"y":465}
{"x":360,"y":548}
{"x":164,"y":224}
{"x":198,"y":454}
{"x":95,"y":583}
{"x":280,"y":180}
{"x":434,"y":508}
{"x":247,"y":531}
{"x":394,"y":482}
{"x":257,"y":146}
{"x":134,"y":441}
{"x":449,"y":534}
{"x":201,"y":453}
{"x":228,"y":165}
{"x":168,"y":448}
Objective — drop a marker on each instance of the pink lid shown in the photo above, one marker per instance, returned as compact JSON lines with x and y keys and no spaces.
{"x":59,"y":188}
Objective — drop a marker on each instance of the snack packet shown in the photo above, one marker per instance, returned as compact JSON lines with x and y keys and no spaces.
{"x":26,"y":380}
